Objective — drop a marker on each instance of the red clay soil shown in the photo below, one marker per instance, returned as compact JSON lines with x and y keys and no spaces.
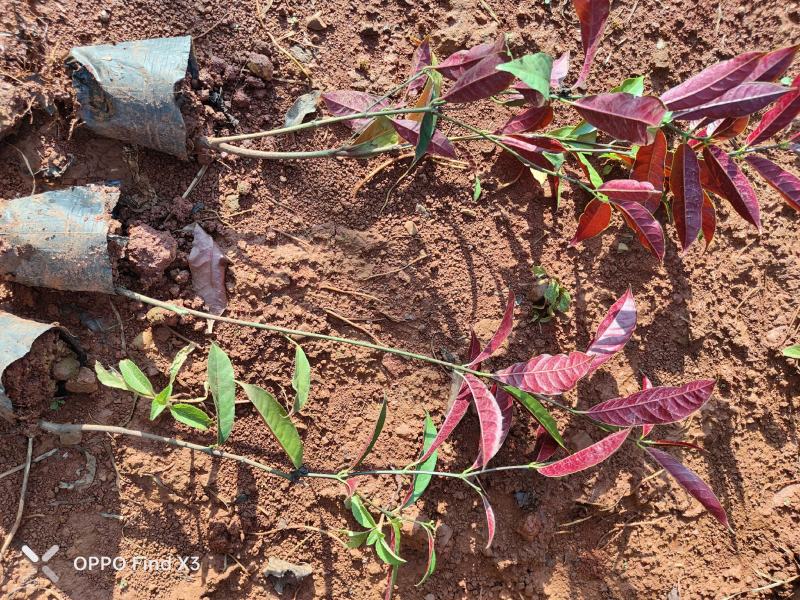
{"x":618,"y":531}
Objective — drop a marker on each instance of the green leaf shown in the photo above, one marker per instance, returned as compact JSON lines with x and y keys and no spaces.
{"x":177,"y":362}
{"x":110,"y":377}
{"x":426,"y":129}
{"x":431,"y":559}
{"x":301,"y":380}
{"x":632,"y":85}
{"x":376,"y":432}
{"x":278,"y":421}
{"x":420,"y":482}
{"x":477,"y":190}
{"x":135,"y":379}
{"x":792,"y":351}
{"x":563,"y":301}
{"x":551,"y":292}
{"x":160,"y":402}
{"x":380,"y":133}
{"x":355,"y":539}
{"x":533,"y":70}
{"x":223,"y":389}
{"x":386,"y":554}
{"x":360,"y":513}
{"x":190,"y":415}
{"x":374,"y":536}
{"x":594,"y":176}
{"x":539,"y":412}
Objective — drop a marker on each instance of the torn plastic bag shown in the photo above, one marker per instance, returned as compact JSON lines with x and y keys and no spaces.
{"x":59,"y":239}
{"x":127,"y":91}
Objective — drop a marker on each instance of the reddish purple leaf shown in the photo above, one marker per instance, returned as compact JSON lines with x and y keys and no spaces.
{"x":423,"y":57}
{"x":501,"y":334}
{"x":453,"y":417}
{"x":588,"y":457}
{"x":733,"y":185}
{"x":351,"y":485}
{"x":531,"y":119}
{"x":644,"y":224}
{"x":774,"y":64}
{"x":530,"y":145}
{"x":656,"y":405}
{"x":533,"y":97}
{"x":559,"y":70}
{"x":347,"y":102}
{"x":649,"y":166}
{"x":409,"y":131}
{"x":474,"y":346}
{"x":494,"y":419}
{"x":647,"y":427}
{"x":545,"y":445}
{"x":592,"y":15}
{"x":709,"y":220}
{"x":778,"y":117}
{"x":691,"y":482}
{"x":630,"y":190}
{"x":594,"y":219}
{"x":725,"y":129}
{"x":207,"y":263}
{"x":480,"y":81}
{"x":742,"y":100}
{"x":711,"y":82}
{"x":614,"y":330}
{"x":623,"y":116}
{"x":490,"y":520}
{"x":455,"y":65}
{"x":687,"y":192}
{"x":786,"y":183}
{"x":547,"y":374}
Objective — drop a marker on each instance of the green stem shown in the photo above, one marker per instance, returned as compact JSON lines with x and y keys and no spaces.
{"x":685,"y":134}
{"x":748,"y":149}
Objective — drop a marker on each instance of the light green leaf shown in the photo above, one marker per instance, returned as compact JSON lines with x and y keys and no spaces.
{"x":190,"y":415}
{"x":109,"y":377}
{"x":420,"y":482}
{"x":360,"y":513}
{"x":386,"y":554}
{"x":594,"y":176}
{"x":632,"y":85}
{"x":356,"y":539}
{"x":160,"y":402}
{"x":222,"y":385}
{"x":277,"y":420}
{"x":376,"y":432}
{"x":477,"y":190}
{"x":301,"y":380}
{"x":533,"y":70}
{"x":177,"y":362}
{"x":539,"y":412}
{"x":432,"y":558}
{"x":792,"y":351}
{"x":374,"y":536}
{"x":135,"y":379}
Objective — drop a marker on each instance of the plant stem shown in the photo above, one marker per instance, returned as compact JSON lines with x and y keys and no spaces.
{"x":310,"y":334}
{"x":60,"y":428}
{"x":748,"y":149}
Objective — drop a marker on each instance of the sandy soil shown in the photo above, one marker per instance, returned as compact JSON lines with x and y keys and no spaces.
{"x":613,"y":532}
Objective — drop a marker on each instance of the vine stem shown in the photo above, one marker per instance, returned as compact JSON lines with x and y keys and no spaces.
{"x":310,"y":334}
{"x":748,"y":149}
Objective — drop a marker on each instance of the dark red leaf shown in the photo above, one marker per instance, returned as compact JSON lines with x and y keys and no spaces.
{"x":453,"y":417}
{"x":742,"y":100}
{"x":588,"y":457}
{"x":593,"y":220}
{"x":501,"y":334}
{"x":630,"y":190}
{"x":592,"y":15}
{"x":490,"y":520}
{"x":649,"y":166}
{"x":545,"y":445}
{"x":786,"y":183}
{"x":547,"y":374}
{"x":623,"y":116}
{"x":778,"y":117}
{"x":687,"y":202}
{"x":474,"y":347}
{"x":480,"y":81}
{"x":711,"y":82}
{"x":691,"y":482}
{"x":708,"y":180}
{"x":422,"y":58}
{"x":733,"y":185}
{"x":559,"y":70}
{"x":409,"y":131}
{"x":347,"y":102}
{"x":644,"y":224}
{"x":709,"y":220}
{"x":725,"y":129}
{"x":455,"y":65}
{"x":774,"y":64}
{"x":528,"y":145}
{"x":531,"y":119}
{"x":614,"y":330}
{"x":207,"y":263}
{"x":494,"y":419}
{"x":654,"y":406}
{"x":648,"y":427}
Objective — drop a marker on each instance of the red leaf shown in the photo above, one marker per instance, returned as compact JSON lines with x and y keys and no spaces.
{"x":687,"y":203}
{"x":494,"y":419}
{"x":708,"y":180}
{"x":614,"y":330}
{"x":592,"y":15}
{"x":531,"y":119}
{"x":480,"y":81}
{"x":709,"y":220}
{"x":724,"y":129}
{"x":348,"y":102}
{"x":647,"y":427}
{"x":207,"y":264}
{"x":733,"y":185}
{"x":559,"y":70}
{"x":351,"y":485}
{"x":530,"y":145}
{"x":646,"y":227}
{"x":530,"y":95}
{"x":742,"y":100}
{"x":711,"y":82}
{"x":654,"y":406}
{"x":453,"y":417}
{"x":778,"y":117}
{"x":501,"y":334}
{"x":623,"y":116}
{"x":774,"y":64}
{"x":786,"y":183}
{"x":422,"y":58}
{"x":649,"y":166}
{"x":455,"y":65}
{"x":593,"y":221}
{"x":588,"y":457}
{"x":630,"y":190}
{"x":691,"y":482}
{"x":545,"y":445}
{"x":474,"y":346}
{"x":409,"y":131}
{"x":490,"y":520}
{"x":547,"y":374}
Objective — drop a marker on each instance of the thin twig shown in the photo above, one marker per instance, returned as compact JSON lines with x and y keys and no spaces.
{"x":290,"y":56}
{"x":121,"y":328}
{"x":302,"y":243}
{"x":355,"y":326}
{"x":789,"y":327}
{"x":19,"y":468}
{"x":422,"y":256}
{"x":30,"y":170}
{"x":369,"y":176}
{"x":763,"y":587}
{"x":213,"y":27}
{"x":331,"y":288}
{"x":21,"y":507}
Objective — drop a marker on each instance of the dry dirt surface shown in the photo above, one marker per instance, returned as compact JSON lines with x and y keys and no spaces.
{"x":620,"y":531}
